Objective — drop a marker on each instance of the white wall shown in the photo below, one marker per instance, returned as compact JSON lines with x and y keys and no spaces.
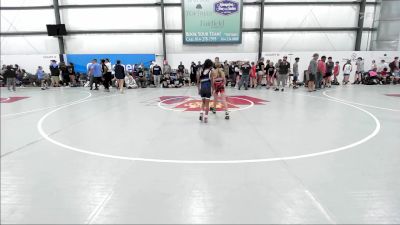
{"x":26,"y":20}
{"x":304,"y":41}
{"x":113,"y":43}
{"x":30,"y":62}
{"x":25,"y":2}
{"x":276,"y":16}
{"x":28,"y":45}
{"x":187,"y":58}
{"x":111,"y":18}
{"x":284,"y":16}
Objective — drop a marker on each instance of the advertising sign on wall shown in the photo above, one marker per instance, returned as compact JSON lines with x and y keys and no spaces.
{"x":81,"y":61}
{"x":212,"y":21}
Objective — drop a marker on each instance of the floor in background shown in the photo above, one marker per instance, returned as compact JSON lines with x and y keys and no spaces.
{"x":70,"y":155}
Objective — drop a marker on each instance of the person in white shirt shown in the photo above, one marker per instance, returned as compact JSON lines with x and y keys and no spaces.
{"x":382,"y":66}
{"x":359,"y":71}
{"x":108,"y":74}
{"x":374,"y":67}
{"x":347,"y":68}
{"x":130,"y":82}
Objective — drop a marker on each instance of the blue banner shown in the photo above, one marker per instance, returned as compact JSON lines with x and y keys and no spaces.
{"x":81,"y":61}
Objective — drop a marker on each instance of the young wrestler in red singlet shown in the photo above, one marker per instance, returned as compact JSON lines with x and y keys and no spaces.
{"x":218,"y":83}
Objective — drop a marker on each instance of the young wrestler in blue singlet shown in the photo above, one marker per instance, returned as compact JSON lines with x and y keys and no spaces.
{"x":204,"y":86}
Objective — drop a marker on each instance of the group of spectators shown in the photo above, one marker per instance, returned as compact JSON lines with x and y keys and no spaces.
{"x":14,"y":75}
{"x":57,"y":70}
{"x":322,"y":72}
{"x":138,"y":77}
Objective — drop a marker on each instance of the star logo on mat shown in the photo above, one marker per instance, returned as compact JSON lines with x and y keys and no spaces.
{"x":11,"y":99}
{"x":393,"y":95}
{"x":188,"y":103}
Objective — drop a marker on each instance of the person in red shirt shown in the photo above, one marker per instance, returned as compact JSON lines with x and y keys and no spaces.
{"x":321,"y":71}
{"x":253,"y":75}
{"x":336,"y":71}
{"x":383,"y":76}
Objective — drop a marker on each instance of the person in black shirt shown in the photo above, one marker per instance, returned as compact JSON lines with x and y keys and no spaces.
{"x":245,"y":68}
{"x":268,"y":79}
{"x":236,"y":77}
{"x":329,"y":71}
{"x":271,"y":72}
{"x":181,"y":70}
{"x":232,"y":74}
{"x":71,"y":72}
{"x":120,"y":75}
{"x":10,"y":75}
{"x":142,"y":77}
{"x":156,"y":71}
{"x":193,"y":73}
{"x":104,"y":71}
{"x":64,"y":73}
{"x":260,"y":71}
{"x":135,"y":71}
{"x":283,"y":72}
{"x":55,"y":73}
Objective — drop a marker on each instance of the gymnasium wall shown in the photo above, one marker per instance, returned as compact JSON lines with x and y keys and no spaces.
{"x":121,"y":18}
{"x":29,"y":62}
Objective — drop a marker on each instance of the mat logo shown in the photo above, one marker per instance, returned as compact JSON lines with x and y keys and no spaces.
{"x":11,"y":99}
{"x":226,"y":7}
{"x":188,"y":103}
{"x":393,"y":95}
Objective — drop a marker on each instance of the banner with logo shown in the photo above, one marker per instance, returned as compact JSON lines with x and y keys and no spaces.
{"x":81,"y":61}
{"x":212,"y":21}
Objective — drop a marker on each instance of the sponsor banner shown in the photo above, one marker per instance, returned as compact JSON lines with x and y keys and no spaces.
{"x":212,"y":21}
{"x":82,"y":61}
